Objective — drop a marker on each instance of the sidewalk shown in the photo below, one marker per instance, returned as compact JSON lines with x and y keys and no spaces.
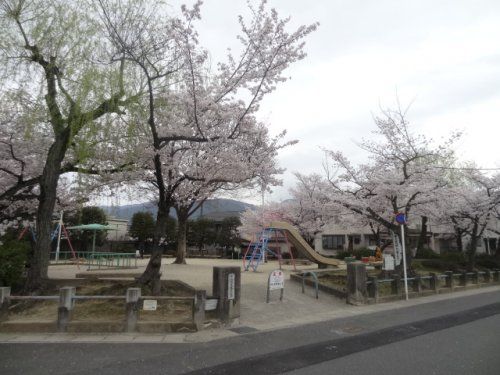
{"x":297,"y":309}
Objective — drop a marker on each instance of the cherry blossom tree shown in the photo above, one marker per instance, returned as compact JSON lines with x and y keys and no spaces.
{"x":187,"y":99}
{"x":402,"y":175}
{"x":473,"y":209}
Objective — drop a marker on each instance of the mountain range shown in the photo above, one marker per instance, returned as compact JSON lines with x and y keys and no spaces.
{"x":217,"y":209}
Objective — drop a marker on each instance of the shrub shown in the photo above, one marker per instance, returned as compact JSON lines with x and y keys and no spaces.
{"x":487,"y":261}
{"x":427,"y":253}
{"x":457,"y":258}
{"x":442,"y":265}
{"x":13,"y":255}
{"x":360,"y":253}
{"x":343,"y":254}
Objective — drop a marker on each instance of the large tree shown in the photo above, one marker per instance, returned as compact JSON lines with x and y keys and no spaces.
{"x":187,"y":99}
{"x":56,"y":59}
{"x":404,"y":174}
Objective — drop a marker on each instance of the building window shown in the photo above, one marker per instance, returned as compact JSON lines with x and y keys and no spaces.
{"x":333,"y":242}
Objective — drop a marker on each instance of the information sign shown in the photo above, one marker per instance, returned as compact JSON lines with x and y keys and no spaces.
{"x":230,"y":286}
{"x":388,"y":262}
{"x":398,"y":250}
{"x":276,"y":280}
{"x":150,"y":305}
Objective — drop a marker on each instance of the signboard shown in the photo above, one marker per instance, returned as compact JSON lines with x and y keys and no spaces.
{"x":276,"y":280}
{"x":388,"y":262}
{"x":230,"y":286}
{"x":211,"y":304}
{"x":150,"y":305}
{"x":400,"y":218}
{"x":398,"y":249}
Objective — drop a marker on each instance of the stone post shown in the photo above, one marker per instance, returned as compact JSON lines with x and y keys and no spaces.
{"x":132,"y":308}
{"x":4,"y":302}
{"x":373,"y":288}
{"x":356,"y":284}
{"x":449,"y":280}
{"x":487,"y":276}
{"x":496,"y":275}
{"x":463,"y":278}
{"x":65,"y":310}
{"x":199,"y":309}
{"x":226,"y":288}
{"x":434,"y":282}
{"x":475,"y":278}
{"x":417,"y":284}
{"x":396,"y":285}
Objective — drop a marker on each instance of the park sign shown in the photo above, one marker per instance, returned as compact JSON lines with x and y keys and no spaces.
{"x":150,"y":305}
{"x":276,"y":281}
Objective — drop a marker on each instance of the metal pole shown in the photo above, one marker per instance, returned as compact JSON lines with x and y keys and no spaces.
{"x":93,"y":243}
{"x":404,"y":259}
{"x":263,"y":192}
{"x":59,"y":236}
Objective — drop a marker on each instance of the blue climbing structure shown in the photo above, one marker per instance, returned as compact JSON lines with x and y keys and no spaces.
{"x":258,"y":251}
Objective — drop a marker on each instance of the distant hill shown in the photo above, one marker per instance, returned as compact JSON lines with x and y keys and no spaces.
{"x":213,"y":208}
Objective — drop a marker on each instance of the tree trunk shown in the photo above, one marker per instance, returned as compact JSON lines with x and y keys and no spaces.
{"x":182,"y":217}
{"x":152,"y":272}
{"x":460,"y":243}
{"x":39,"y":263}
{"x":422,"y":239}
{"x":471,"y":251}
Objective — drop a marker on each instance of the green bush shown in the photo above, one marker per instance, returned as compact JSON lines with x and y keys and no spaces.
{"x":487,"y":261}
{"x":13,"y":255}
{"x":458,"y":258}
{"x":360,"y":253}
{"x":442,"y":265}
{"x":427,"y":253}
{"x":343,"y":254}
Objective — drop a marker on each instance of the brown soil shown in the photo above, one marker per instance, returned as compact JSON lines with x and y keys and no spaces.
{"x":107,"y":309}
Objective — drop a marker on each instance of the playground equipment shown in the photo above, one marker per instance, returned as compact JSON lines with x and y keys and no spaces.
{"x":302,"y":246}
{"x":258,"y":251}
{"x":57,"y":233}
{"x":94,"y":228}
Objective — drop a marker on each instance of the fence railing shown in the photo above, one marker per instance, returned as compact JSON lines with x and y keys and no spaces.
{"x":433,"y":282}
{"x":95,"y":260}
{"x":111,"y":260}
{"x":133,"y":304}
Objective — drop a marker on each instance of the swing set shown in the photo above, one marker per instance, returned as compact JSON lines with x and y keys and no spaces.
{"x":56,"y":233}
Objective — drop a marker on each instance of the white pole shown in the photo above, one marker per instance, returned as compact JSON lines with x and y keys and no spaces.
{"x":59,"y":236}
{"x":404,"y":259}
{"x":263,"y":192}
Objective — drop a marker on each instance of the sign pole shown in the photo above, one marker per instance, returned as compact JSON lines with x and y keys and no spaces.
{"x":404,"y":259}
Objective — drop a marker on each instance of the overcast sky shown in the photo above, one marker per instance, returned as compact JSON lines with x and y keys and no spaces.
{"x":441,"y":56}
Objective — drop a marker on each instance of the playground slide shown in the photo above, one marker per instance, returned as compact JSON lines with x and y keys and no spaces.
{"x":302,"y":246}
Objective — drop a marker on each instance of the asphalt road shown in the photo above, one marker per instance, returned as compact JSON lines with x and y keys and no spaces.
{"x":469,"y":349}
{"x":455,"y":336}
